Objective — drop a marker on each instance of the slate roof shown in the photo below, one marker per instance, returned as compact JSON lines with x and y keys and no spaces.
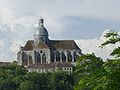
{"x":63,"y":44}
{"x":53,"y":44}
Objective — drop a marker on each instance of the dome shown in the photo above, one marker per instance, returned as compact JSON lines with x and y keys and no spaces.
{"x":41,"y":30}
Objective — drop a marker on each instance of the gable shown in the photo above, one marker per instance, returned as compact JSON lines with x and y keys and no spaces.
{"x":29,"y":45}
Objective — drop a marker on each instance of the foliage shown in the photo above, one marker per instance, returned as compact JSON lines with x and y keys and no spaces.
{"x":112,"y":38}
{"x":61,"y":81}
{"x":17,"y":78}
{"x":27,"y":85}
{"x":92,"y":74}
{"x":87,"y":69}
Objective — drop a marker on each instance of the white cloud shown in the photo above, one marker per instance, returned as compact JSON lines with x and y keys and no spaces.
{"x":1,"y":44}
{"x":14,"y":47}
{"x":92,"y":46}
{"x":6,"y":15}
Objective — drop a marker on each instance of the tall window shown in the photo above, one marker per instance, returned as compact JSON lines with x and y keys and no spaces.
{"x":69,"y":56}
{"x":57,"y":56}
{"x":44,"y":58}
{"x":38,"y":58}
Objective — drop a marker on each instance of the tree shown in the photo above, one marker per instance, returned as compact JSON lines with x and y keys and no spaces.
{"x":112,"y":67}
{"x":20,"y":70}
{"x":112,"y":38}
{"x":7,"y":84}
{"x":40,"y":80}
{"x":27,"y":85}
{"x":105,"y":77}
{"x":88,"y":68}
{"x":59,"y":81}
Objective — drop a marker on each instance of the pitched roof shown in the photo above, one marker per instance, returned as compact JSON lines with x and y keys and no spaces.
{"x":29,"y":45}
{"x":63,"y":44}
{"x":53,"y":44}
{"x":41,"y":45}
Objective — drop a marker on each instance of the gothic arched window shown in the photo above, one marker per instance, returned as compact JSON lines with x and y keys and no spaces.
{"x":75,"y":56}
{"x":63,"y":56}
{"x":43,"y":58}
{"x":69,"y":56}
{"x":38,"y":58}
{"x":57,"y":56}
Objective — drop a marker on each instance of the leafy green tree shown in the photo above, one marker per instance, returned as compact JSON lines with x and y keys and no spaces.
{"x":20,"y":70}
{"x":8,"y":84}
{"x":17,"y":81}
{"x":112,"y":37}
{"x":41,"y":80}
{"x":112,"y":67}
{"x":96,"y":75}
{"x":60,"y":81}
{"x":88,"y":68}
{"x":27,"y":85}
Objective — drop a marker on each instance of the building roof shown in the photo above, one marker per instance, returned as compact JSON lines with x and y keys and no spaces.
{"x":53,"y":44}
{"x":63,"y":44}
{"x":38,"y":65}
{"x":29,"y":45}
{"x":41,"y":45}
{"x":50,"y":65}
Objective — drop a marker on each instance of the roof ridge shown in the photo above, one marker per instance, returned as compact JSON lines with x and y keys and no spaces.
{"x":61,"y":40}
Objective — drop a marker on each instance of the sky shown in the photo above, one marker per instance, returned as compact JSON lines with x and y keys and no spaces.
{"x":85,"y":21}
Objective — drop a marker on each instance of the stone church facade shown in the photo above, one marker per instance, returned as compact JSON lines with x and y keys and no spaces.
{"x":42,"y":51}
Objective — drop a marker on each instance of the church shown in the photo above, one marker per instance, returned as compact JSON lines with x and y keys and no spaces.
{"x":43,"y":54}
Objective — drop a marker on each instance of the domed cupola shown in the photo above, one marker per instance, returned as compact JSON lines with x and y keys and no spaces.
{"x":41,"y":33}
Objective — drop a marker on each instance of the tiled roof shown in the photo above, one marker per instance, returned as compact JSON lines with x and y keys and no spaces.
{"x":53,"y":44}
{"x":41,"y":45}
{"x":63,"y":44}
{"x":29,"y":45}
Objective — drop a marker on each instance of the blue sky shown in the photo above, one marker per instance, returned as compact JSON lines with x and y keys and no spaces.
{"x":82,"y":20}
